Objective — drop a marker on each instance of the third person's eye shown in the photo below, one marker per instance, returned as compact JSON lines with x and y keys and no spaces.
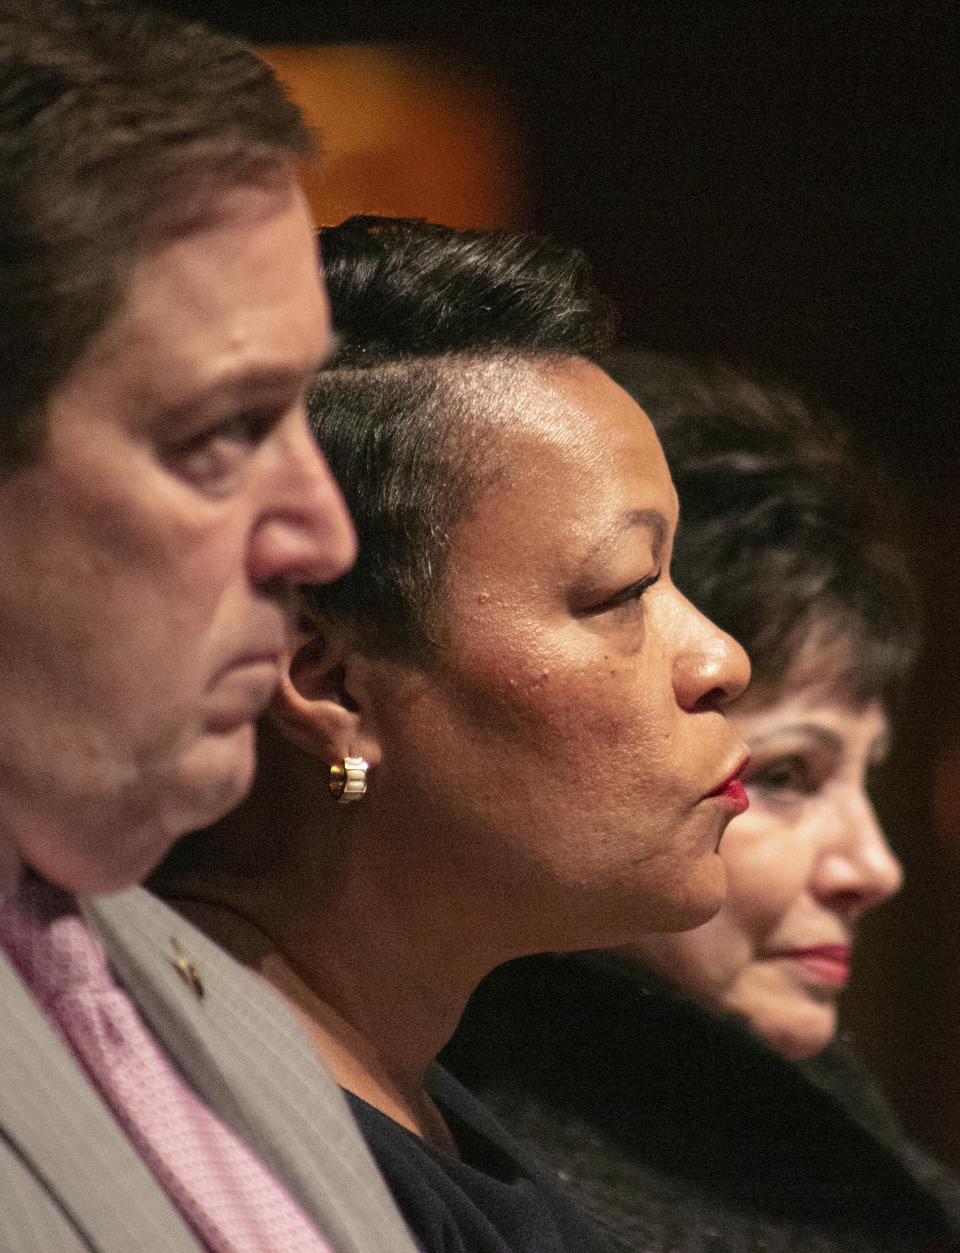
{"x":789,"y":773}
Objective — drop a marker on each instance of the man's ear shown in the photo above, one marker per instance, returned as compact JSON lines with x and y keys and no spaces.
{"x":313,"y":706}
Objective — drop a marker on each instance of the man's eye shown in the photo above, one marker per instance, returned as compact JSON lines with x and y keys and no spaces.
{"x":220,"y":449}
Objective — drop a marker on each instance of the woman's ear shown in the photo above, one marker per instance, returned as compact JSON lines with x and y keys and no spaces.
{"x":313,"y":707}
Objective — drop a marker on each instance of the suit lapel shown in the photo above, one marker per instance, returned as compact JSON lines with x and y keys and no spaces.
{"x":61,"y":1128}
{"x":244,"y":1052}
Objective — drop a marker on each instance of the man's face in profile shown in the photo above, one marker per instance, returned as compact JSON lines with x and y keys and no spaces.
{"x":149,"y":549}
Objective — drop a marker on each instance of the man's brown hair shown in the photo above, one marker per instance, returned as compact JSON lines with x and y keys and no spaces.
{"x":109,"y":114}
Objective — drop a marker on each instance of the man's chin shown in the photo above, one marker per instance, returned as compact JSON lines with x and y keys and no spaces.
{"x":214,"y":779}
{"x":211,"y":780}
{"x":106,"y":842}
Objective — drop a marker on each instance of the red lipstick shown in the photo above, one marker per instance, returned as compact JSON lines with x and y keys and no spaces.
{"x":732,"y":791}
{"x":827,"y":963}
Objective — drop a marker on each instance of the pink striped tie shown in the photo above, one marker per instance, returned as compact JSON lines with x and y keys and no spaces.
{"x":222,"y":1190}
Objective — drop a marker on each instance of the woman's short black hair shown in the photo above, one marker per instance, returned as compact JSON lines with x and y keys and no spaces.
{"x":432,"y":323}
{"x":785,"y":533}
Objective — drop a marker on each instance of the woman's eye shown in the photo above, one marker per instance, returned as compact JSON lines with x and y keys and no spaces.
{"x":629,"y":596}
{"x":790,"y":773}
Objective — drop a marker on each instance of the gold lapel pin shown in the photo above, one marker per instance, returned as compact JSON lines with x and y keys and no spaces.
{"x":186,"y":969}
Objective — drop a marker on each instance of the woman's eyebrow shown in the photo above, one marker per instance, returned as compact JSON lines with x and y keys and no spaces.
{"x":649,"y":519}
{"x":821,"y":736}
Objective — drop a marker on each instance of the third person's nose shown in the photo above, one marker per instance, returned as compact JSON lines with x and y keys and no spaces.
{"x":858,"y":869}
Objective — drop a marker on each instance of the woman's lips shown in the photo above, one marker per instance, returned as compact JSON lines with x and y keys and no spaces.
{"x":826,"y":963}
{"x":732,"y":790}
{"x":736,"y":794}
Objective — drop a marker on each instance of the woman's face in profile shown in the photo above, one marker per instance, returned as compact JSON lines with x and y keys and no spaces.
{"x":803,"y":864}
{"x":558,"y":762}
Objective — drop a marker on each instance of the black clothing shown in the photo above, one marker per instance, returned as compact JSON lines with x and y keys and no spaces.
{"x":495,"y":1199}
{"x":678,"y":1129}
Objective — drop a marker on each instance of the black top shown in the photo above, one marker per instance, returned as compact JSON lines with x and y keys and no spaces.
{"x":679,"y":1129}
{"x":495,"y":1199}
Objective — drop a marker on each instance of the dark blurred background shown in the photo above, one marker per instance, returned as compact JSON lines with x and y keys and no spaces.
{"x":772,"y":183}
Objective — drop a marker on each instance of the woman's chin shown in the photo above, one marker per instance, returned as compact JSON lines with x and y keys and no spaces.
{"x":799,"y":1035}
{"x":704,"y":895}
{"x":667,"y":914}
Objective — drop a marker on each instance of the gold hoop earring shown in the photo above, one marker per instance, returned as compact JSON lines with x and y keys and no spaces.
{"x":348,"y":779}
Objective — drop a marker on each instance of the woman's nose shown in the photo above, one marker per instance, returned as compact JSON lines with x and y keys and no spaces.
{"x":858,"y":869}
{"x":710,"y":668}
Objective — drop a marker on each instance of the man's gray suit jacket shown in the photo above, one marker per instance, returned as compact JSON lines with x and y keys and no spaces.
{"x":69,"y":1178}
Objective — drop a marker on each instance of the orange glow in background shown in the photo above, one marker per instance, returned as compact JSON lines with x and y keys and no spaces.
{"x":404,"y":134}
